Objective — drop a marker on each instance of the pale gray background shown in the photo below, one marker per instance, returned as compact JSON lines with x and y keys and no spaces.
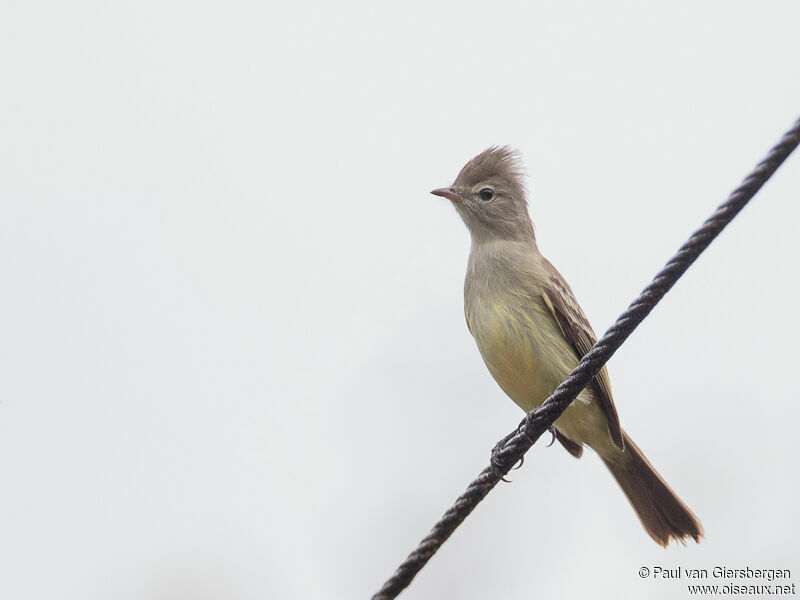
{"x":234,"y":363}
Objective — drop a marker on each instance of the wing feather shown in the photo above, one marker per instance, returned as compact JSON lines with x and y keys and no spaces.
{"x":576,"y":328}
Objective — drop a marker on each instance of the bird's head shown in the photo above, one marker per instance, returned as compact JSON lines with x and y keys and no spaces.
{"x":489,"y":194}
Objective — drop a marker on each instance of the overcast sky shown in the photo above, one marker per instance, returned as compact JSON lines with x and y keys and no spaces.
{"x":233,"y":357}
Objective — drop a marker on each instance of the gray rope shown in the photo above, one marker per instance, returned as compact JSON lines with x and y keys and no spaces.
{"x":511,"y":449}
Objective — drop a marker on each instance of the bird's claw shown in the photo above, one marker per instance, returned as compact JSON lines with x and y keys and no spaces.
{"x":552,"y":431}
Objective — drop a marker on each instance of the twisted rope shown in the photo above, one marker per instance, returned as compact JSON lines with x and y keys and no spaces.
{"x":512,"y":448}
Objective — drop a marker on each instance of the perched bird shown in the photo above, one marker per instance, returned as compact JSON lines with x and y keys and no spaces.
{"x":531,"y":332}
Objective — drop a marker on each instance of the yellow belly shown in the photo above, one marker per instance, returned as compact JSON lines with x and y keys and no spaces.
{"x":529,"y":357}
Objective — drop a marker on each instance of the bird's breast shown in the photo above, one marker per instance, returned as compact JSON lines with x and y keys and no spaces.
{"x":520,"y":344}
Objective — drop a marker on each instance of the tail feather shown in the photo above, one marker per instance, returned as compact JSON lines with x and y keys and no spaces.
{"x":663,"y":515}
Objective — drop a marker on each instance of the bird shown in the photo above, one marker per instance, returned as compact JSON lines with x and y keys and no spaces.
{"x":531,"y":333}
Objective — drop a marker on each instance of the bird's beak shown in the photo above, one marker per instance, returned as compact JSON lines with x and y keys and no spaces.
{"x":448,"y":193}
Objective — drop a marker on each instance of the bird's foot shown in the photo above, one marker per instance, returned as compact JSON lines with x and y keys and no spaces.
{"x":497,"y":461}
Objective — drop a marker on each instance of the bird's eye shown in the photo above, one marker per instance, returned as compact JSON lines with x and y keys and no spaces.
{"x":486,"y":194}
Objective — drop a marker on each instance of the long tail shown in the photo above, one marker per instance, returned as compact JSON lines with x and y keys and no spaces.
{"x":661,"y":512}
